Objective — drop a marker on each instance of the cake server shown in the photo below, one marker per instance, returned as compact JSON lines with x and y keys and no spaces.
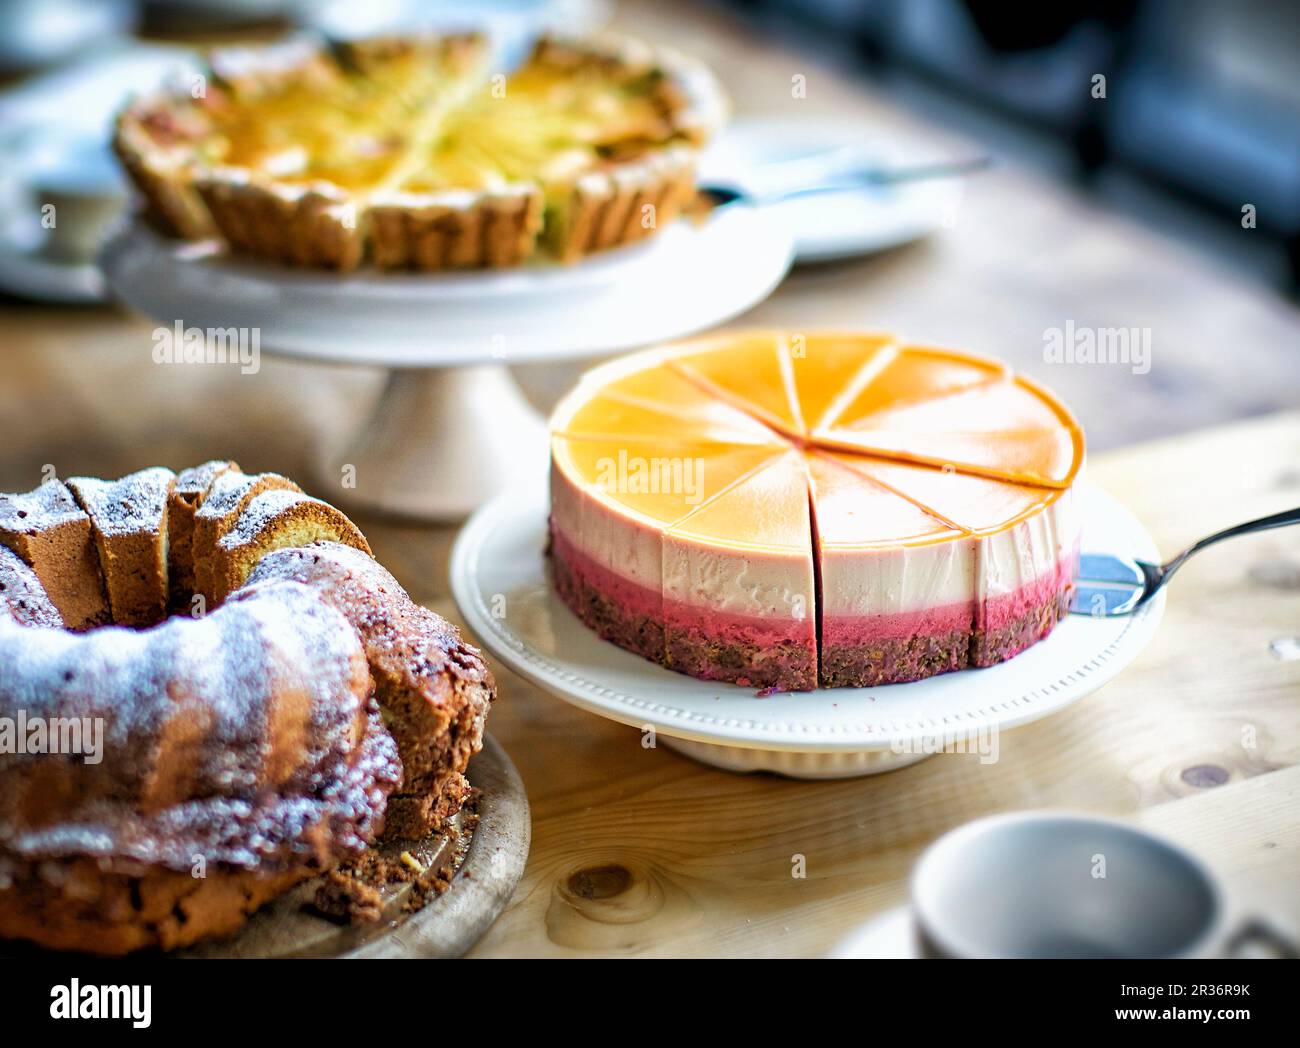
{"x":1110,"y":585}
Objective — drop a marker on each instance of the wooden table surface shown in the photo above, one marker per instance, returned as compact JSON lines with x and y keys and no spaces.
{"x":644,"y":852}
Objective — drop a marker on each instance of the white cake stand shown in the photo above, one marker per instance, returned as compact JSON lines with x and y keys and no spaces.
{"x":501,"y":585}
{"x":452,"y":428}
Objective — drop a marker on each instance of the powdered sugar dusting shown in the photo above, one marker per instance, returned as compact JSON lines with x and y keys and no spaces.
{"x":46,"y":506}
{"x":134,"y":505}
{"x":261,"y":511}
{"x":193,"y":482}
{"x":226,"y":673}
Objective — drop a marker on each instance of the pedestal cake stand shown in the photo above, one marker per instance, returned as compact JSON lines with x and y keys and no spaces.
{"x":452,"y":428}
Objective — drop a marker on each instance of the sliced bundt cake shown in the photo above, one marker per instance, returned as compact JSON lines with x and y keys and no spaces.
{"x":129,"y":520}
{"x":275,"y":520}
{"x":313,"y":706}
{"x":191,"y":486}
{"x":53,"y":536}
{"x":220,"y":508}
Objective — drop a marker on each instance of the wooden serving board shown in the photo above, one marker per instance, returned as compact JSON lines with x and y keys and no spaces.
{"x":488,"y":859}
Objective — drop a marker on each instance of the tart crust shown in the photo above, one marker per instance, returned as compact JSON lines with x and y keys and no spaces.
{"x":614,"y":196}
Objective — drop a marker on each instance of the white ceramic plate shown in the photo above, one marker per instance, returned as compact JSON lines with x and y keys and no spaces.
{"x":757,"y":153}
{"x":500,"y":582}
{"x":27,"y":272}
{"x":887,"y":936}
{"x":687,"y":278}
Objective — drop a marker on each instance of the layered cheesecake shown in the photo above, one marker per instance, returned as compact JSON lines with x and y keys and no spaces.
{"x":787,"y":511}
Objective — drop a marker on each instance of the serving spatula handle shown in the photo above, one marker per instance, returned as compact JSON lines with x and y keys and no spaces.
{"x":1276,"y":520}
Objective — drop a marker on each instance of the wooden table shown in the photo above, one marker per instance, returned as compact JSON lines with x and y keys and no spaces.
{"x":643,"y":852}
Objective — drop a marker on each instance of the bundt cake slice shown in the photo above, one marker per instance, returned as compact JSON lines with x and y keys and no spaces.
{"x":433,"y":688}
{"x":275,"y":520}
{"x":53,"y":536}
{"x":191,"y":486}
{"x":22,"y":597}
{"x":202,"y":767}
{"x":226,"y":498}
{"x":129,"y":520}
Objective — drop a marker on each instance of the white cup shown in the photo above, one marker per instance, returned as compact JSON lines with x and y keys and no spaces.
{"x":1055,"y":884}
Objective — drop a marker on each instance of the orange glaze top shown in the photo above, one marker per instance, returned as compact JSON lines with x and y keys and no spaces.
{"x":897,"y":444}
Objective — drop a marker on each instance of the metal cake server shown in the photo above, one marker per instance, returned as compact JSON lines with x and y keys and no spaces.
{"x":1109,"y":585}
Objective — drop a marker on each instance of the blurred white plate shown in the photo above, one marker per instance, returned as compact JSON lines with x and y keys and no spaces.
{"x":27,"y":272}
{"x":54,"y":132}
{"x":756,"y":154}
{"x":887,"y":936}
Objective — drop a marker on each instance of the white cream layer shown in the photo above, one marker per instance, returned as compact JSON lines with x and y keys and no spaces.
{"x":859,"y":582}
{"x":855,"y":582}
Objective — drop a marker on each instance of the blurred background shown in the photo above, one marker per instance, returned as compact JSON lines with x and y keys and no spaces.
{"x":1202,"y":97}
{"x":1146,"y":171}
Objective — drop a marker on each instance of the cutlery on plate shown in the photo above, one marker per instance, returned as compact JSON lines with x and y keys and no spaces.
{"x":1110,"y":585}
{"x":845,"y":181}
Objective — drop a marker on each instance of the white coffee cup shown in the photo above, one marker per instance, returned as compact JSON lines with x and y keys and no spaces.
{"x":1057,"y":884}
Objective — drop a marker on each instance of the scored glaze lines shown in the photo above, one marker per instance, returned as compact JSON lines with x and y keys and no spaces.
{"x":735,"y":400}
{"x":988,"y":381}
{"x":873,"y":479}
{"x":786,"y":365}
{"x":881,"y":359}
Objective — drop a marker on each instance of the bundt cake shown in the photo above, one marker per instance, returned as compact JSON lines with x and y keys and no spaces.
{"x":161,"y":783}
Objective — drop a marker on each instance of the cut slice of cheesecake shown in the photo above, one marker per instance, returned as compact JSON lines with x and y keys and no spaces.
{"x":905,"y":376}
{"x":831,"y":369}
{"x":740,"y":596}
{"x":897,"y":580}
{"x":751,"y":372}
{"x":612,"y":503}
{"x":1002,"y":426}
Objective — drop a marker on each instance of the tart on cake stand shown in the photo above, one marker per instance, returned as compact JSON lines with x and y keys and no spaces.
{"x":500,"y":580}
{"x":452,"y":428}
